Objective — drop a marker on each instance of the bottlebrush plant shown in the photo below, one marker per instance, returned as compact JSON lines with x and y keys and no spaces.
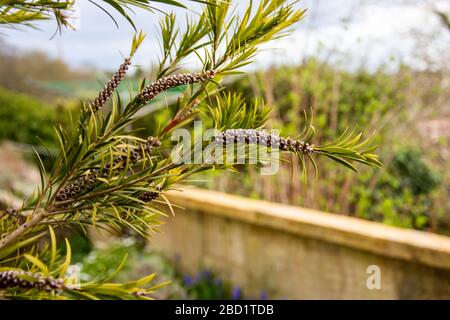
{"x":107,"y":177}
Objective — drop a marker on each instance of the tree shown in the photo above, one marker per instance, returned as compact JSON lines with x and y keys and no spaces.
{"x":107,"y":177}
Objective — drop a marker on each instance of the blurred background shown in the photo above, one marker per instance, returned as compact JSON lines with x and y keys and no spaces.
{"x":383,"y":65}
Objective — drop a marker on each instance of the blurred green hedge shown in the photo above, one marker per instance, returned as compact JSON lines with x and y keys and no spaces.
{"x":406,"y":192}
{"x":25,"y":119}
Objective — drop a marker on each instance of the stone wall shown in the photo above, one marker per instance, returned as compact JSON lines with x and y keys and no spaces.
{"x":296,"y":253}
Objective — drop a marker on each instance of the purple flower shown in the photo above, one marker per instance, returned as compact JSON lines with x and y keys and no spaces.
{"x":206,"y":274}
{"x":236,"y":293}
{"x":188,"y":281}
{"x":217,"y":281}
{"x":263,"y":295}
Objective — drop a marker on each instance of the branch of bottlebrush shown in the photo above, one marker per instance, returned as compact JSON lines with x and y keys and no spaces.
{"x":108,"y":177}
{"x":26,"y":12}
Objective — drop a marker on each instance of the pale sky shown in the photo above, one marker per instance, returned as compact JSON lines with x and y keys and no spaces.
{"x":345,"y":31}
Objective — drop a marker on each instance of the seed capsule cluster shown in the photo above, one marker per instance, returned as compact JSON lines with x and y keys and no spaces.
{"x":87,"y":182}
{"x":12,"y":278}
{"x":251,"y":136}
{"x":112,"y":84}
{"x":12,"y":212}
{"x":72,"y":190}
{"x":163,"y":84}
{"x":149,"y":196}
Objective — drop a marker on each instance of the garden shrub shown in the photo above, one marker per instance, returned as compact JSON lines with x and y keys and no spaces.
{"x":24,"y":119}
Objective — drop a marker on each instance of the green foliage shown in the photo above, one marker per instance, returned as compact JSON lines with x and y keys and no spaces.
{"x":47,"y":262}
{"x":233,"y":112}
{"x":22,"y":11}
{"x":206,"y":285}
{"x":13,"y":12}
{"x":101,"y":262}
{"x":26,"y":120}
{"x":401,"y":194}
{"x":337,"y":98}
{"x":100,"y":150}
{"x":413,"y":173}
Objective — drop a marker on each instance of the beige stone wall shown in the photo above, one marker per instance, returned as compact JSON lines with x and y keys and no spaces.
{"x":296,"y":253}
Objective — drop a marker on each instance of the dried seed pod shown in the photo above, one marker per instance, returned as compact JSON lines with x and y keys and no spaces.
{"x":163,"y":84}
{"x":16,"y":279}
{"x":151,"y":143}
{"x":251,"y":136}
{"x":108,"y":90}
{"x":80,"y":185}
{"x":148,"y":196}
{"x":87,"y":182}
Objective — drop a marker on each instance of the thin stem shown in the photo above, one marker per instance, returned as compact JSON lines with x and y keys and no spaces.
{"x":122,"y":186}
{"x":22,"y":229}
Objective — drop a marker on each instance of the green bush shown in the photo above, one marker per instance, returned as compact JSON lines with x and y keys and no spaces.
{"x":126,"y":259}
{"x":414,"y":172}
{"x":24,"y":119}
{"x":400,"y":194}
